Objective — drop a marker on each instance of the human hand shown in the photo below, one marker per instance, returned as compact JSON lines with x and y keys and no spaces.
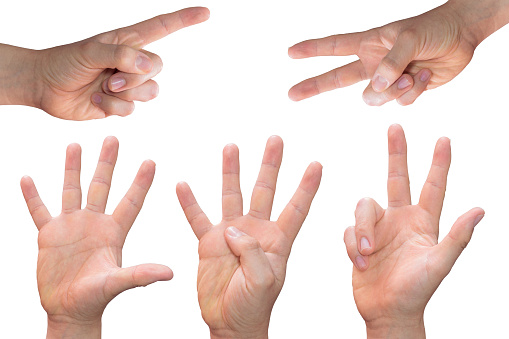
{"x":398,"y":262}
{"x":80,"y":251}
{"x":402,"y":59}
{"x":243,"y":258}
{"x":103,"y":75}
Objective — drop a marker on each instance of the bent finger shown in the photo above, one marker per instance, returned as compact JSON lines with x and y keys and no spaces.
{"x":400,"y":87}
{"x":144,"y":92}
{"x":111,"y":105}
{"x":122,"y":81}
{"x":360,"y":261}
{"x":367,"y":214}
{"x":421,"y":80}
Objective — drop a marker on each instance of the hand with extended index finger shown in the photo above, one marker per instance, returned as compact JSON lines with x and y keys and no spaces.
{"x":80,"y":251}
{"x":398,"y":262}
{"x":401,"y":59}
{"x":243,"y":258}
{"x":103,"y":75}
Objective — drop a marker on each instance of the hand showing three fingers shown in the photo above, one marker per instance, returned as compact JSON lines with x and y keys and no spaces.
{"x":80,"y":251}
{"x":243,"y":258}
{"x":103,"y":75}
{"x":402,"y":59}
{"x":398,"y":262}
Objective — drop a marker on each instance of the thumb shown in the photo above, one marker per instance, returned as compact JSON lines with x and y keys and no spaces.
{"x":253,"y":260}
{"x":449,"y":249}
{"x":136,"y":276}
{"x":396,"y":61}
{"x":94,"y":54}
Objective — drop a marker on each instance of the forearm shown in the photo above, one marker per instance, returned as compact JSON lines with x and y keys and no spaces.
{"x":481,"y":18}
{"x":396,"y":330}
{"x":68,"y":329}
{"x":18,"y":77}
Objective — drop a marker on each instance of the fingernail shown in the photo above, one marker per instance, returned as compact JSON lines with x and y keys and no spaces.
{"x":143,"y":63}
{"x":364,"y":244}
{"x":233,"y":232}
{"x":380,"y":83}
{"x":96,"y":98}
{"x":403,"y":83}
{"x":117,"y":83}
{"x":425,"y":75}
{"x":360,"y":262}
{"x":478,"y":219}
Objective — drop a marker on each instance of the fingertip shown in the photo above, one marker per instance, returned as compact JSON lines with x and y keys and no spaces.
{"x":294,"y":93}
{"x":230,"y":150}
{"x":25,"y":180}
{"x":194,"y":15}
{"x":111,"y":140}
{"x":361,"y":262}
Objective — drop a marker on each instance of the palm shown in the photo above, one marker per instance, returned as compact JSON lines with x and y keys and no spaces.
{"x":69,"y":84}
{"x":236,"y":288}
{"x":228,"y":297}
{"x":398,"y":261}
{"x":399,"y":268}
{"x":80,"y":251}
{"x":75,"y":262}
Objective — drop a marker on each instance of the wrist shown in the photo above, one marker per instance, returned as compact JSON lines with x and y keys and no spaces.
{"x":19,"y":82}
{"x":480,"y":18}
{"x":228,"y":334}
{"x":63,"y":327}
{"x":396,"y":328}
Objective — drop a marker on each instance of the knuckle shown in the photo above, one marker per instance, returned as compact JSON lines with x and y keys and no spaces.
{"x":122,"y":54}
{"x":390,"y":64}
{"x":408,"y":35}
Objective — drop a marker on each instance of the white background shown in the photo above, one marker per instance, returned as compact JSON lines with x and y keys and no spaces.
{"x":226,"y":81}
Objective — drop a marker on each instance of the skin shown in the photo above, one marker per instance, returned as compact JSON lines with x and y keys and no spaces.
{"x":243,"y":258}
{"x":407,"y":57}
{"x":93,"y":78}
{"x":398,"y":261}
{"x":80,"y":251}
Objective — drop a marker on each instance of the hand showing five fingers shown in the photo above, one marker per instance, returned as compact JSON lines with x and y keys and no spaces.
{"x":103,"y":75}
{"x":80,"y":251}
{"x":243,"y":258}
{"x":398,"y":262}
{"x":402,"y":59}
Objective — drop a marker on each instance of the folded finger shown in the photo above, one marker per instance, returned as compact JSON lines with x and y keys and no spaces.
{"x":360,"y":261}
{"x":338,"y":78}
{"x":400,"y":87}
{"x":421,"y":80}
{"x":367,"y":214}
{"x":144,"y":92}
{"x":111,"y":105}
{"x":122,"y":81}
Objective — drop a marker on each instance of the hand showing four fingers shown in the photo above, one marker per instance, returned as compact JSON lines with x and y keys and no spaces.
{"x":398,"y":262}
{"x":243,"y":258}
{"x":80,"y":251}
{"x":402,"y":59}
{"x":104,"y":74}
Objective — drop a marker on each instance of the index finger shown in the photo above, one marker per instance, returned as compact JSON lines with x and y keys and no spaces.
{"x":148,"y":31}
{"x":339,"y":45}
